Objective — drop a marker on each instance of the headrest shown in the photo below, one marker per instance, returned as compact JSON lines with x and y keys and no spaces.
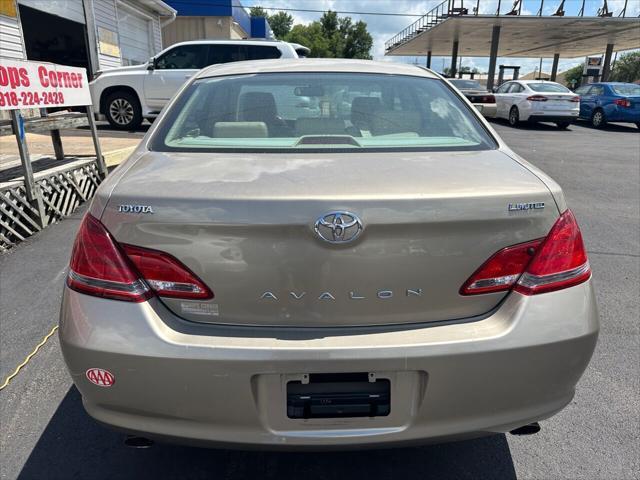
{"x":257,"y":107}
{"x":240,"y":130}
{"x":362,"y":109}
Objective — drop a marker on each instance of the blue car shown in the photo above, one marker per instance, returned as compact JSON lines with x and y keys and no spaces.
{"x":610,"y":102}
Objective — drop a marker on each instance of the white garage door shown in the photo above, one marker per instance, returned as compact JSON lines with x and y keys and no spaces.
{"x":135,"y":37}
{"x":69,"y":9}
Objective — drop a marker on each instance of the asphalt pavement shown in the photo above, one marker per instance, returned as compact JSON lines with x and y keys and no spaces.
{"x":45,"y":433}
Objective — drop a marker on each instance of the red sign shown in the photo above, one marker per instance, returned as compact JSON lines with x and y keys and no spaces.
{"x":25,"y":84}
{"x":100,"y":377}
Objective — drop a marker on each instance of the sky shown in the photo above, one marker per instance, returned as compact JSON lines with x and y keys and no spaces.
{"x":383,"y":28}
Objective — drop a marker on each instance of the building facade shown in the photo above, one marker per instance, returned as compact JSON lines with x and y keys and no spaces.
{"x":219,"y":20}
{"x":94,"y":34}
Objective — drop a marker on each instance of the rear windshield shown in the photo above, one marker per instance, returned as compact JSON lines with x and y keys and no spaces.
{"x":326,"y":111}
{"x":548,"y":87}
{"x":466,"y":84}
{"x":630,"y":89}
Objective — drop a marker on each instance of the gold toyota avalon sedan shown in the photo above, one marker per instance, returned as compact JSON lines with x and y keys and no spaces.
{"x":324,"y":254}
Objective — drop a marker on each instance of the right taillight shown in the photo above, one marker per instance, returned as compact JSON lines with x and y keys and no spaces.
{"x":102,"y":268}
{"x":555,"y":262}
{"x":560,"y":262}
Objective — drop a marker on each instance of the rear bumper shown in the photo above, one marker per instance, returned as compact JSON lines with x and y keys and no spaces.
{"x":226,"y":386}
{"x":553,"y":118}
{"x":489,"y":110}
{"x":619,"y":114}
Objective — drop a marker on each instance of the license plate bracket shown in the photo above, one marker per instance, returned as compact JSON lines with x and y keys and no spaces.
{"x":338,"y":395}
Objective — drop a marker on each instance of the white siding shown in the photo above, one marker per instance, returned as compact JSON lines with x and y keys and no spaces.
{"x":105,"y":17}
{"x":11,"y":42}
{"x":157,"y":35}
{"x":69,"y":9}
{"x":135,"y":35}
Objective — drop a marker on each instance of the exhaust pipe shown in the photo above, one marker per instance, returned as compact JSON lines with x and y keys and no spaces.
{"x":526,"y":429}
{"x":133,"y":441}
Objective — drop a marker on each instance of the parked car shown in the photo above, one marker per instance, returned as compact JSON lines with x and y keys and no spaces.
{"x":610,"y":102}
{"x":127,"y":95}
{"x":483,"y":100}
{"x":537,"y":101}
{"x":254,"y":277}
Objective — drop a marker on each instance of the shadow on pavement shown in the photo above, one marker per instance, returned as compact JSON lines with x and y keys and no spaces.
{"x":546,"y":126}
{"x":74,"y":446}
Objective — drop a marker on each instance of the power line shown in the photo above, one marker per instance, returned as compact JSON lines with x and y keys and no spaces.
{"x":306,"y":10}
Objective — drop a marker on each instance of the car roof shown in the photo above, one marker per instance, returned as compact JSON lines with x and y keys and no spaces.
{"x":535,"y":81}
{"x":242,"y":41}
{"x":339,"y":65}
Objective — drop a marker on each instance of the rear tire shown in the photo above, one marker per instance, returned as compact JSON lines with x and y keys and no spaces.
{"x":563,"y":125}
{"x":123,"y":110}
{"x":514,"y":117}
{"x":598,"y":119}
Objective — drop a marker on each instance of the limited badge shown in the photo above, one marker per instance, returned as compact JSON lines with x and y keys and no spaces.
{"x":514,"y":207}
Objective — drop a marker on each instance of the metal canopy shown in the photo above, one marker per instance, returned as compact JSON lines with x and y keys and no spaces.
{"x":522,"y":36}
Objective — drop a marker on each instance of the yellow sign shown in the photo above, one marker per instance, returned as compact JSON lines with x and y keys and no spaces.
{"x":8,"y":8}
{"x":108,"y":42}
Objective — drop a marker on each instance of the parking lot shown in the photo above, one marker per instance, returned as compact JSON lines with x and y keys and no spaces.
{"x":46,"y":433}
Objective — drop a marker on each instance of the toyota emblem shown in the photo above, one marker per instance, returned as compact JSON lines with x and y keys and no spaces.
{"x":338,"y":227}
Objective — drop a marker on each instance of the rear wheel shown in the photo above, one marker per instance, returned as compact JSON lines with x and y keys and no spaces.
{"x":563,"y":125}
{"x":123,"y":111}
{"x":597,"y":119}
{"x":514,"y":117}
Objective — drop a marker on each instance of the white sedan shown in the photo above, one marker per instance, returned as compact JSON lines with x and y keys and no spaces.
{"x":536,"y":101}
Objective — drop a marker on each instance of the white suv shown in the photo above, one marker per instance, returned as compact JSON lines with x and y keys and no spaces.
{"x":127,"y":95}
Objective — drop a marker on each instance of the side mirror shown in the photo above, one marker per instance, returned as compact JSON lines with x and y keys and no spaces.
{"x":151,"y":65}
{"x":494,"y":89}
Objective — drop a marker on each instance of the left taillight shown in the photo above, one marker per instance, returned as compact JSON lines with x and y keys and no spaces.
{"x":552,"y":263}
{"x":102,"y":268}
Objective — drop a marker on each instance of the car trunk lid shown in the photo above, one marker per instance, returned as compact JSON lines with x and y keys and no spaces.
{"x":244,"y":223}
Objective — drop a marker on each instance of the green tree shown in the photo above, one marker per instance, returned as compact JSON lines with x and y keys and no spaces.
{"x":330,"y":37}
{"x":358,"y":42}
{"x":573,"y":76}
{"x":258,"y":12}
{"x":329,"y":22}
{"x":311,"y":36}
{"x":333,"y":37}
{"x":281,"y":24}
{"x":626,"y":68}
